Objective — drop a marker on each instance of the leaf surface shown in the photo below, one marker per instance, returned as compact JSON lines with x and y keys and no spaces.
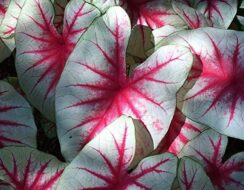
{"x":180,"y":132}
{"x":17,"y":126}
{"x":11,"y":10}
{"x":42,"y":51}
{"x":104,"y":163}
{"x":28,"y":169}
{"x":216,"y":96}
{"x":203,"y":13}
{"x":191,"y":175}
{"x":209,"y":147}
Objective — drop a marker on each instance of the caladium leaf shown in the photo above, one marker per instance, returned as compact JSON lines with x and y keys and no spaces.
{"x":152,"y":13}
{"x":42,"y":51}
{"x":99,"y":90}
{"x":59,"y":7}
{"x":3,"y":8}
{"x":10,"y":19}
{"x":104,"y":162}
{"x":17,"y":125}
{"x":140,"y":42}
{"x":216,"y":97}
{"x":209,"y":148}
{"x":193,"y":17}
{"x":202,"y":13}
{"x":191,"y":175}
{"x":181,"y":131}
{"x":28,"y":169}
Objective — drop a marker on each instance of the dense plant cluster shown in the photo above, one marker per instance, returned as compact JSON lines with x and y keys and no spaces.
{"x":121,"y":94}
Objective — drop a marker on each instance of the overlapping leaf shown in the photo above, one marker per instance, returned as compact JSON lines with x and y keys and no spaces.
{"x":104,"y":163}
{"x":94,"y":89}
{"x":59,"y":7}
{"x":28,"y":169}
{"x":10,"y":18}
{"x":17,"y":125}
{"x":192,"y":176}
{"x":209,"y":147}
{"x":42,"y":51}
{"x":181,"y":131}
{"x":202,"y":13}
{"x":152,"y":13}
{"x":216,"y":98}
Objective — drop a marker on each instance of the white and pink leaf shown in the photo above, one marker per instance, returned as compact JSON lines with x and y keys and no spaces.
{"x":42,"y":51}
{"x":104,"y":163}
{"x":191,"y":175}
{"x":203,"y":13}
{"x":28,"y":169}
{"x":216,"y":96}
{"x":99,"y":91}
{"x":209,"y":147}
{"x":17,"y":126}
{"x":180,"y":132}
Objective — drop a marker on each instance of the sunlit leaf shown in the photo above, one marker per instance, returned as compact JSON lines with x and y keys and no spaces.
{"x":216,"y":96}
{"x":42,"y":52}
{"x":104,"y":162}
{"x":94,"y":89}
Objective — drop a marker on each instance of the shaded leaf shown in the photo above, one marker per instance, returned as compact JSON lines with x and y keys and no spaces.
{"x":192,"y":176}
{"x":17,"y":126}
{"x":29,"y":169}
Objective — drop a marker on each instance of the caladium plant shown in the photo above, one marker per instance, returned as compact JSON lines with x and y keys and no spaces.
{"x":130,"y":86}
{"x":99,"y":90}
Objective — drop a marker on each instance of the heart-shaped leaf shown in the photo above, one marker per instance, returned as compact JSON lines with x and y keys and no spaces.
{"x":105,"y":160}
{"x":99,"y":90}
{"x":181,"y":131}
{"x":17,"y":125}
{"x":191,"y":175}
{"x":28,"y":169}
{"x":42,"y":52}
{"x":216,"y":97}
{"x":202,"y":13}
{"x":209,"y":147}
